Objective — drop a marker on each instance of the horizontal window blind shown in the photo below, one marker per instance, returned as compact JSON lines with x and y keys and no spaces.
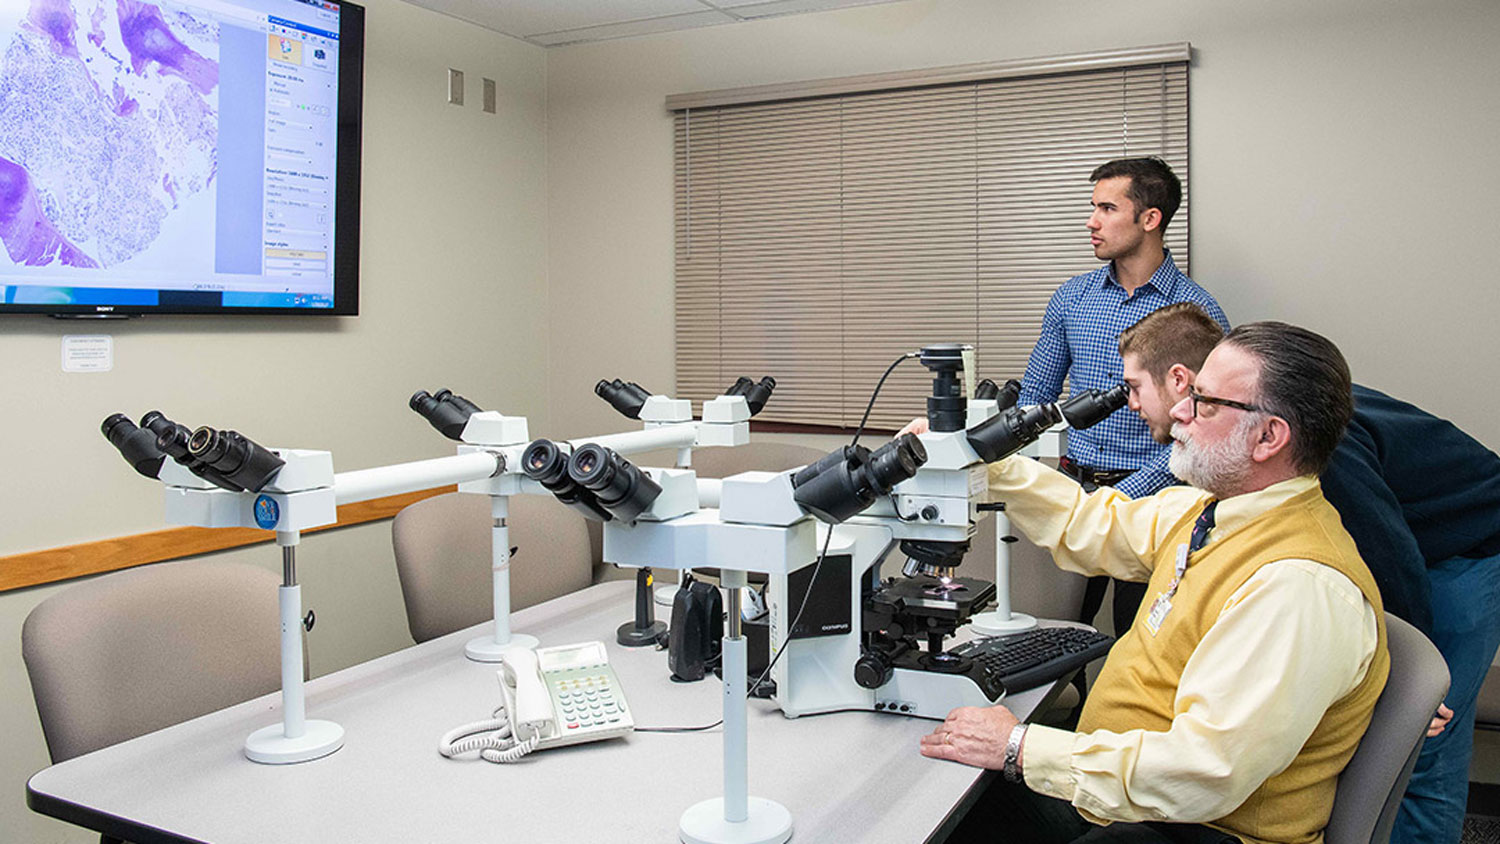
{"x":817,"y":239}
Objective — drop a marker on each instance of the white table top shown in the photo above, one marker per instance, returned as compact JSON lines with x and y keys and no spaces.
{"x":845,"y":777}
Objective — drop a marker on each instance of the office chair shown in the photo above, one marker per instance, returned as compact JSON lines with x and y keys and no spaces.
{"x":442,"y":547}
{"x":1371,"y":786}
{"x":135,"y":651}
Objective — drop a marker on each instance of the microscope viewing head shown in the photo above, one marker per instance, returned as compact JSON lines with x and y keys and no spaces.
{"x":445,"y":411}
{"x":849,"y":479}
{"x":619,"y":485}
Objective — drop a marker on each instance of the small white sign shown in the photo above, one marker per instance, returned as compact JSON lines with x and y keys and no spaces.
{"x":88,"y":353}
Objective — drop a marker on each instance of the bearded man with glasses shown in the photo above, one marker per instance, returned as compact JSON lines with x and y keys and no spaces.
{"x":1183,"y":739}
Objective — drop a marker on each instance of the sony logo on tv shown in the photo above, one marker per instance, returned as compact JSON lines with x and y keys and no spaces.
{"x":104,"y":308}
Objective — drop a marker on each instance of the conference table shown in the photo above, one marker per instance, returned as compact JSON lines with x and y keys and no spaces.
{"x":844,"y":776}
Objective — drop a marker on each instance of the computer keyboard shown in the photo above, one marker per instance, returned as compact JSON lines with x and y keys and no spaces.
{"x":1026,"y":660}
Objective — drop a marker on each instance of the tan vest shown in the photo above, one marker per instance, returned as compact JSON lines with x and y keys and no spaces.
{"x":1138,"y":685}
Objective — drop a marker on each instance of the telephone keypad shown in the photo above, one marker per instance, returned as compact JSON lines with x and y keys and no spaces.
{"x":589,"y":701}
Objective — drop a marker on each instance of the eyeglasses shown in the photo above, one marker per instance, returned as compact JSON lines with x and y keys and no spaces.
{"x":1199,"y":397}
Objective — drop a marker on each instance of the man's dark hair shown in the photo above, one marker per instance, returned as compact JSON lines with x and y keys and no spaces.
{"x":1304,"y":379}
{"x":1179,"y":333}
{"x":1152,"y":184}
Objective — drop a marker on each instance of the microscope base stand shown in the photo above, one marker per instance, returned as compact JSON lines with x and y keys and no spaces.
{"x":631,"y":636}
{"x":991,"y":624}
{"x":766,"y":822}
{"x":486,"y":649}
{"x":270,"y":746}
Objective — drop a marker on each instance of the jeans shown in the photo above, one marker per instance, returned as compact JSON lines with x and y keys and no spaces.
{"x":1466,"y":630}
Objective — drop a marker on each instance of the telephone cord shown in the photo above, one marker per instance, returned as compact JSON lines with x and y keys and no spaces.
{"x":492,"y":738}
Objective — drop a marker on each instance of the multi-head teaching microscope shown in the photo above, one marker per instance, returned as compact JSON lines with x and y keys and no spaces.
{"x":846,"y":637}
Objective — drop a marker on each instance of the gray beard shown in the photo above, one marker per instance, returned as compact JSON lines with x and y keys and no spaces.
{"x":1221,"y":468}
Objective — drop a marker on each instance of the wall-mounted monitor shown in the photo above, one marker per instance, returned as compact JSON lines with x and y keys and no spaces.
{"x":180,"y":156}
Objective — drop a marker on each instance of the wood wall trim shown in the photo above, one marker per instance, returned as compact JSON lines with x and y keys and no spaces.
{"x":34,"y":568}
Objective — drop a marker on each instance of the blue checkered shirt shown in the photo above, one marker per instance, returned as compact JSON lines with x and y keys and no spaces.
{"x":1080,"y":341}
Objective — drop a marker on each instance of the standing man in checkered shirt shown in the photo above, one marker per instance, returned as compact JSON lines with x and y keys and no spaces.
{"x":1134,"y":200}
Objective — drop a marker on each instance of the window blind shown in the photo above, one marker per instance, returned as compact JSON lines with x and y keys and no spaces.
{"x":818,"y":238}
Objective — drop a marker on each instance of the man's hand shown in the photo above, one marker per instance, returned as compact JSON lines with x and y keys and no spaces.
{"x":915,"y":426}
{"x":972,"y":736}
{"x":1440,"y":723}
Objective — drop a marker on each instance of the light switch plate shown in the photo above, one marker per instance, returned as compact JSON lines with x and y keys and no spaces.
{"x":489,"y":96}
{"x":455,"y":87}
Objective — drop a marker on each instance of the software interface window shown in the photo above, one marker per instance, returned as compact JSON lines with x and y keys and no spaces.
{"x":152,"y":149}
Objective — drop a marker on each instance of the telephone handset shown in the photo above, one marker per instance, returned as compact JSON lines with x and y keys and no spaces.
{"x":550,"y":697}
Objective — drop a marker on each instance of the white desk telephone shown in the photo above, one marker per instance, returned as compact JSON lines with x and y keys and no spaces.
{"x":551,"y":697}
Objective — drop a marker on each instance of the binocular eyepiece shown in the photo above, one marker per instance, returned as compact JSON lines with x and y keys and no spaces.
{"x":848,"y":480}
{"x":627,"y":397}
{"x":447,"y":411}
{"x":1017,"y":427}
{"x":227,"y":459}
{"x":136,"y":444}
{"x":594,"y":480}
{"x":545,"y":463}
{"x":1005,"y":395}
{"x":619,"y":485}
{"x":1086,"y":409}
{"x":756,"y":393}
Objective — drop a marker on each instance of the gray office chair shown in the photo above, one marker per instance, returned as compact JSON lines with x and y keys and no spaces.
{"x":135,"y":651}
{"x":1371,"y":786}
{"x":442,"y":547}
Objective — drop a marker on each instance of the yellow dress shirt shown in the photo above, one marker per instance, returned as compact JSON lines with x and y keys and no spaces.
{"x":1295,"y":638}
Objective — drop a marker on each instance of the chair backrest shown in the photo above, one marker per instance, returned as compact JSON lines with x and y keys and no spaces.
{"x":442,"y":547}
{"x":1371,"y":786}
{"x":135,"y":651}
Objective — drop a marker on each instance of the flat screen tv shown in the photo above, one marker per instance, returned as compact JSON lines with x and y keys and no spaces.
{"x":180,"y":156}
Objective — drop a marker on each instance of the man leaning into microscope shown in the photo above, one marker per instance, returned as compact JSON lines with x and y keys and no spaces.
{"x":1227,"y":711}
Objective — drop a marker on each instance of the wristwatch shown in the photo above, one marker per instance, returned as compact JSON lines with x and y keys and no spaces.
{"x":1012,"y":770}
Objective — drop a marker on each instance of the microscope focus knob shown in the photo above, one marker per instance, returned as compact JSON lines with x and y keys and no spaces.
{"x":872,"y":670}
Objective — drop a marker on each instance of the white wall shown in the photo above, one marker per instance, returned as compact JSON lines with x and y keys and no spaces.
{"x":1342,"y":158}
{"x":454,"y":258}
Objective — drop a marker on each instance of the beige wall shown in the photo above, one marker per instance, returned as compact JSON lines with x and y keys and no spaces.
{"x":1343,"y":167}
{"x":453,"y":261}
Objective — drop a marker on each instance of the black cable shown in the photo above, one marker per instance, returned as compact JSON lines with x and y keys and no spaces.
{"x":817,"y":567}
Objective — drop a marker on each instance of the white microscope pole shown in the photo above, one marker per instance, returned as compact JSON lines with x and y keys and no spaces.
{"x":1001,"y":620}
{"x":491,"y":648}
{"x":735,"y":818}
{"x":295,"y":739}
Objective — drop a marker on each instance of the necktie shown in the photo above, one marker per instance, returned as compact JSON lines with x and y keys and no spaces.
{"x":1201,"y":527}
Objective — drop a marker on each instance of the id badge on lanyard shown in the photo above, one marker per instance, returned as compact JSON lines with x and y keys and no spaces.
{"x":1163,"y":603}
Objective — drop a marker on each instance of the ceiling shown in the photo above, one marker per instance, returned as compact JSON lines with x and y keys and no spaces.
{"x":551,"y":23}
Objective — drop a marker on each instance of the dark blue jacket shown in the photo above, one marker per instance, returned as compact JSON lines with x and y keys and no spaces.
{"x":1413,"y":490}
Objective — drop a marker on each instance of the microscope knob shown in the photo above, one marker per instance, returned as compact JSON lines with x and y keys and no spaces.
{"x":872,"y":670}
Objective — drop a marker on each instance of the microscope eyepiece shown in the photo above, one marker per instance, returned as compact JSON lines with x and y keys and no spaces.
{"x":627,"y":397}
{"x":848,"y":480}
{"x":756,"y":393}
{"x":619,"y":485}
{"x":235,"y":457}
{"x":1089,"y":408}
{"x":136,"y":445}
{"x":445,"y":411}
{"x":544,"y":462}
